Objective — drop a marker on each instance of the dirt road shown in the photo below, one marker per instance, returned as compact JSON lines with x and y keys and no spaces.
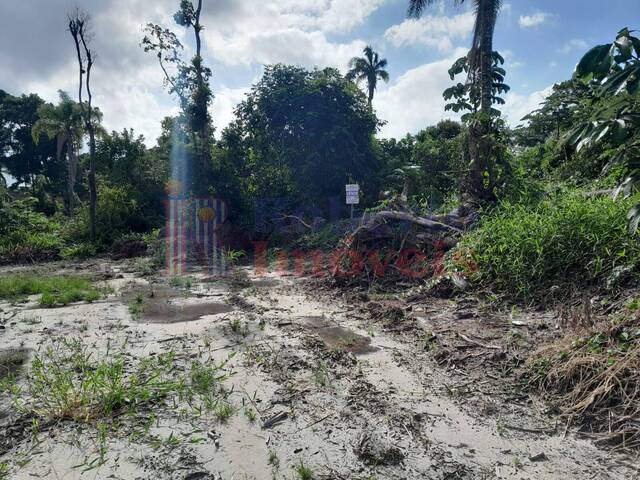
{"x":315,"y":386}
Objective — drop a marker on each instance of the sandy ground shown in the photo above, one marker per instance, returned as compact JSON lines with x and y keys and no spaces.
{"x":357,"y":386}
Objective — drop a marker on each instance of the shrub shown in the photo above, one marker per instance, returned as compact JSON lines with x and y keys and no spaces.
{"x":26,"y":234}
{"x":115,"y":212}
{"x":566,"y":239}
{"x":81,"y":251}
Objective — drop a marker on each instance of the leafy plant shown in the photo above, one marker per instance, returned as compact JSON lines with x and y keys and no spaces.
{"x":468,"y":95}
{"x":614,"y":69}
{"x":568,"y":239}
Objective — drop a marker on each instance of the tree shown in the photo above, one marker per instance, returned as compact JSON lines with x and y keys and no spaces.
{"x":79,"y":27}
{"x":63,"y":123}
{"x":568,"y":102}
{"x":190,"y":82}
{"x":424,"y":166}
{"x":22,"y":157}
{"x":301,"y":134}
{"x":613,"y":69}
{"x":370,"y":69}
{"x":124,"y":162}
{"x":480,"y":74}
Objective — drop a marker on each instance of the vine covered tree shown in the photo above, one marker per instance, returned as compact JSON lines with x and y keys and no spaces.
{"x":480,"y":64}
{"x":189,"y":81}
{"x":370,"y":68}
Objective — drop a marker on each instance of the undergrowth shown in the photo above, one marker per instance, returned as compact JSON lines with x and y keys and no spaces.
{"x":593,"y":378}
{"x":567,"y":240}
{"x":113,"y":394}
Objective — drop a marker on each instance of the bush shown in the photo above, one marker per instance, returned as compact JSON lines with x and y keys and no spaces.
{"x":566,"y":239}
{"x":26,"y":234}
{"x":80,"y":252}
{"x":115,"y":211}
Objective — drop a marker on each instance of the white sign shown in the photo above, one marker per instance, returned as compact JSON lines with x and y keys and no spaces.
{"x":353,"y":194}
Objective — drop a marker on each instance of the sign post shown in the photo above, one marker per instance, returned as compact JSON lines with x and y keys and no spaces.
{"x":352,"y":191}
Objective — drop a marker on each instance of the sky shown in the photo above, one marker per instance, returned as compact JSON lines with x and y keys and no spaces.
{"x":541,"y":40}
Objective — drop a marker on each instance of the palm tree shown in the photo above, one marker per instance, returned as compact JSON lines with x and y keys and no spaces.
{"x":480,"y":74}
{"x":64,"y":123}
{"x":370,"y":68}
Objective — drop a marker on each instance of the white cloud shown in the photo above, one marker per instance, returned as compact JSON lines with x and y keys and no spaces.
{"x":533,"y":20}
{"x":517,"y":106}
{"x":414,"y":101}
{"x":224,"y":104}
{"x":288,"y":31}
{"x":510,"y":59}
{"x":332,"y":16}
{"x":287,"y":45}
{"x":432,"y":31}
{"x":573,"y":44}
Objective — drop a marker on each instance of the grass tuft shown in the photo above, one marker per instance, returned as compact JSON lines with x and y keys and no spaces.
{"x":54,"y":290}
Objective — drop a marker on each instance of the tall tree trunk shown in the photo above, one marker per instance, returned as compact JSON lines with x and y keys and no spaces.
{"x":93,"y":190}
{"x":370,"y":99}
{"x":479,"y":184}
{"x":78,"y":28}
{"x":201,"y":101}
{"x":72,"y":156}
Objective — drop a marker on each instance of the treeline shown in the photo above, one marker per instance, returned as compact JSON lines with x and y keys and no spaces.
{"x":298,"y":137}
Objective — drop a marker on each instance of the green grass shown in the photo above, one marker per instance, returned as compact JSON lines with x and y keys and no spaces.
{"x":273,"y":459}
{"x":54,"y":290}
{"x":69,"y":381}
{"x":567,"y":240}
{"x":114,"y":395}
{"x":136,"y":308}
{"x":303,"y":472}
{"x":181,"y":282}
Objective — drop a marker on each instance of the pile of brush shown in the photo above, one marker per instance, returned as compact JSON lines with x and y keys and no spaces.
{"x":398,"y":246}
{"x":594,"y":380}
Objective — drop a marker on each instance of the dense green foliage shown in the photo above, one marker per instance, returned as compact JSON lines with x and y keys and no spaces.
{"x":426,"y":166}
{"x":565,"y":240}
{"x":299,"y":135}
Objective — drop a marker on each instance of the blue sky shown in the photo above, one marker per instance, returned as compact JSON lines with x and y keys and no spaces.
{"x":541,"y":40}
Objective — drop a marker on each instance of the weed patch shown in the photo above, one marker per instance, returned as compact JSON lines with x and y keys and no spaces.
{"x":594,"y":378}
{"x":54,"y":290}
{"x":110,"y":393}
{"x":567,"y":240}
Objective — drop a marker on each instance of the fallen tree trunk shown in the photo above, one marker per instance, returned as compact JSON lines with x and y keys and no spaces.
{"x":411,"y":245}
{"x":425,"y":222}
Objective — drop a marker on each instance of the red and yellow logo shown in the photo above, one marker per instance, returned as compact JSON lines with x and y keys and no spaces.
{"x":206,"y":214}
